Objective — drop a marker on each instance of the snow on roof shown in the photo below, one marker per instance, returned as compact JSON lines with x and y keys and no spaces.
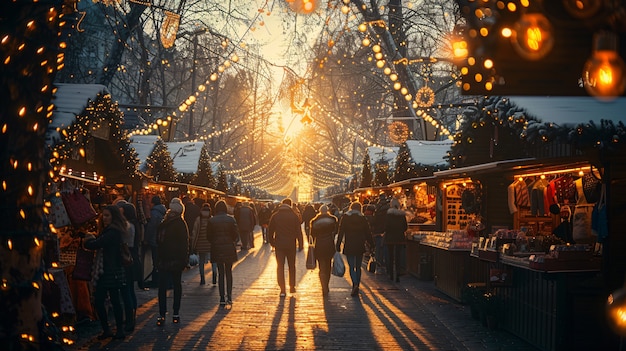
{"x":429,"y":152}
{"x":186,"y":155}
{"x":70,"y":100}
{"x":144,"y":146}
{"x":572,"y":110}
{"x":388,"y":154}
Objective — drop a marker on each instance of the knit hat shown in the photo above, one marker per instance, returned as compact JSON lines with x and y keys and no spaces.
{"x":324,"y":209}
{"x":177,"y":206}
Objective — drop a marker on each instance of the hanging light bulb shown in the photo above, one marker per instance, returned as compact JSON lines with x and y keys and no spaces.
{"x":603,"y":73}
{"x":532,"y":37}
{"x":582,"y":9}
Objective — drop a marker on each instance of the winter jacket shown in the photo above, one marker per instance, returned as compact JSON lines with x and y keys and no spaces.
{"x":222,"y":233}
{"x":157,"y":212}
{"x":264,"y":216}
{"x":308,"y":214}
{"x":323,"y":230}
{"x":395,"y":226}
{"x":173,"y":243}
{"x":199,"y":241}
{"x":354,"y":229}
{"x":109,"y":241}
{"x":246,"y":219}
{"x":379,"y":217}
{"x":284,"y":229}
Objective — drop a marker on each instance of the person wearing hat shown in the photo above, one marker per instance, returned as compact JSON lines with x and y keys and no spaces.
{"x":173,"y":248}
{"x":355,"y":231}
{"x":323,"y":229}
{"x":222,"y":233}
{"x":200,"y":243}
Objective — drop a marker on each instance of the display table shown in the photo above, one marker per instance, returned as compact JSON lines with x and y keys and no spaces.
{"x":450,"y":269}
{"x":551,"y":310}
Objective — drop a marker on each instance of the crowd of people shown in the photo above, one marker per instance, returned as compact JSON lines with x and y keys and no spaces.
{"x":214,"y":233}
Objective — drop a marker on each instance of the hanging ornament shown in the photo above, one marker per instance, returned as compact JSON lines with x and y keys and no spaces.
{"x":398,"y":132}
{"x":169,"y":29}
{"x":425,"y":97}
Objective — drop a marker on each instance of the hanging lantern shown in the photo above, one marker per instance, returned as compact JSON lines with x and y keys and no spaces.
{"x":169,"y":29}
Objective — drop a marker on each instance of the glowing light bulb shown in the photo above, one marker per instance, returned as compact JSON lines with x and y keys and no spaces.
{"x":603,"y":73}
{"x":533,"y":37}
{"x":582,"y":8}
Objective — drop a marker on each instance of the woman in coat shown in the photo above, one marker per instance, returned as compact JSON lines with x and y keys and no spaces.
{"x":355,"y":230}
{"x":323,"y":229}
{"x":173,"y":238}
{"x":110,"y":279}
{"x":222,"y":233}
{"x":395,"y":227}
{"x":200,"y":244}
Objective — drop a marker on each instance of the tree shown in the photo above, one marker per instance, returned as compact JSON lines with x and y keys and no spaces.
{"x":381,"y":176}
{"x":222,"y":183}
{"x":405,"y":166}
{"x":30,"y":55}
{"x":366,"y":175}
{"x":205,"y":174}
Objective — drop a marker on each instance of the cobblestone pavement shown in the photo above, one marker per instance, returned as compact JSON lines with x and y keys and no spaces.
{"x":409,"y":315}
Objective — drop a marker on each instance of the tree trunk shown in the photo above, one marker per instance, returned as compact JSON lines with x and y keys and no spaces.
{"x":26,"y":79}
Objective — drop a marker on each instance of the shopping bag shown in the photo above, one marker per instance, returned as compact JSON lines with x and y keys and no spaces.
{"x":310,"y":258}
{"x":371,"y":264}
{"x":339,"y":268}
{"x":194,"y":260}
{"x":58,"y":215}
{"x":83,"y":264}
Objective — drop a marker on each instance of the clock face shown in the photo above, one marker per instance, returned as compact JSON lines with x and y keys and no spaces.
{"x":90,"y":150}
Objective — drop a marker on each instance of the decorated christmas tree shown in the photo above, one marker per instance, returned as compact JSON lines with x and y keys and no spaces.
{"x":366,"y":175}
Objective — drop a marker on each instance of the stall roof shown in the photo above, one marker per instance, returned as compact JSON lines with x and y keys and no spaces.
{"x":429,"y":152}
{"x":186,"y":155}
{"x":70,"y":100}
{"x":144,"y":146}
{"x":518,"y":165}
{"x":566,"y":110}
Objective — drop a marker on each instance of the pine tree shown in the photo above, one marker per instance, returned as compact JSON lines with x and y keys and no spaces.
{"x":381,"y":177}
{"x":205,"y":174}
{"x":405,"y":166}
{"x":160,"y":163}
{"x":366,"y":175}
{"x":222,"y":184}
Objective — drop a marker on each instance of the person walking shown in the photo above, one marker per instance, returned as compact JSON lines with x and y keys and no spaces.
{"x":128,"y":290}
{"x":200,"y":244}
{"x":109,"y":276}
{"x":323,"y":229}
{"x":246,"y":220}
{"x":222,"y":233}
{"x":173,"y":257}
{"x":355,"y":231}
{"x":378,"y":231}
{"x":285,"y":234}
{"x":264,"y":220}
{"x":157,"y":212}
{"x":307,"y":215}
{"x":395,"y":227}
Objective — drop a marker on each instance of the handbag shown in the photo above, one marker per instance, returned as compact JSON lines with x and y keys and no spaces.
{"x":194,"y":260}
{"x":78,"y":207}
{"x":339,"y":268}
{"x":371,"y":264}
{"x":310,"y":256}
{"x":84,"y":263}
{"x":127,"y":257}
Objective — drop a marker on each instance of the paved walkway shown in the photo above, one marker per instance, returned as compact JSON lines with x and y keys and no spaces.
{"x":410,"y":315}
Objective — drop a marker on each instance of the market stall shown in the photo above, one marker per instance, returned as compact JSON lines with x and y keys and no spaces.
{"x":89,"y":155}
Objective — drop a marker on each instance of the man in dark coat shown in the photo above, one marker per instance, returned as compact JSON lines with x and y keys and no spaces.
{"x":264,"y":220}
{"x":246,"y":220}
{"x":285,"y":233}
{"x":378,"y":230}
{"x":323,"y":230}
{"x":355,"y":231}
{"x":307,"y":215}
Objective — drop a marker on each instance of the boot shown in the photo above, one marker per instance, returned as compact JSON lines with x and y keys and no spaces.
{"x":129,"y":326}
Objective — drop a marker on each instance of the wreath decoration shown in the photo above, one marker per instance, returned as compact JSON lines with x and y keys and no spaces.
{"x":398,"y":132}
{"x":471,"y":200}
{"x":425,"y":97}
